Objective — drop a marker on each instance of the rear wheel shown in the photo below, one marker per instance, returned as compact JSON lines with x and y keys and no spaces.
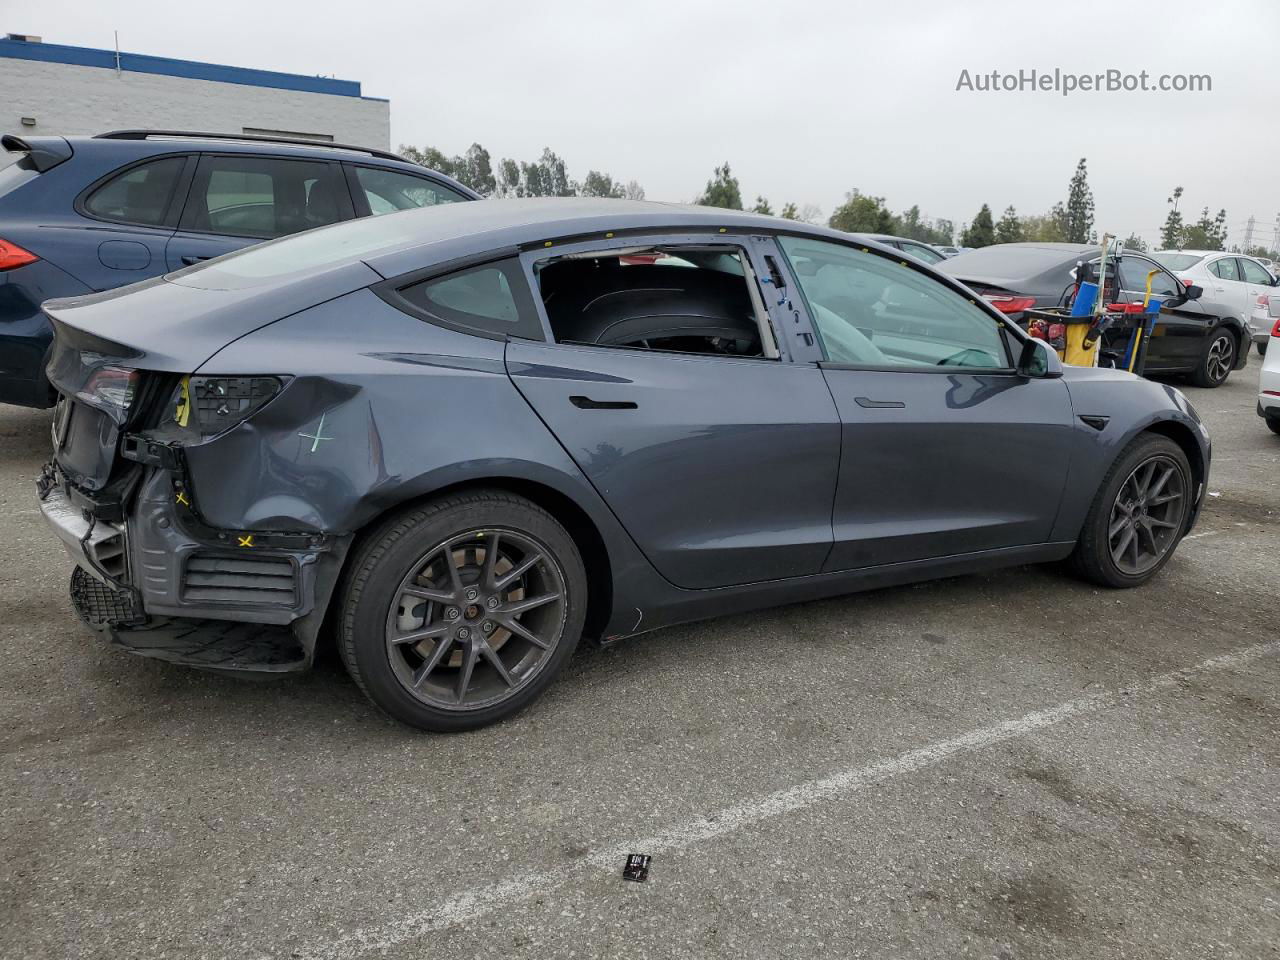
{"x":1274,"y":424}
{"x":460,"y":613}
{"x":1218,"y":359}
{"x":1262,"y":348}
{"x":1138,"y":516}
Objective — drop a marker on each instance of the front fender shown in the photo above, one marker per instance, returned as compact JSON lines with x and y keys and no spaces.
{"x":1131,"y":406}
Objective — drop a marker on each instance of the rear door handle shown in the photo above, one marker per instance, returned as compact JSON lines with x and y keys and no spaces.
{"x":191,"y":261}
{"x":586,"y":403}
{"x":878,"y":404}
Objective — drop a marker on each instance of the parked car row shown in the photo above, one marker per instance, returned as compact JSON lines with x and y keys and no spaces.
{"x":1203,"y":339}
{"x":85,"y":214}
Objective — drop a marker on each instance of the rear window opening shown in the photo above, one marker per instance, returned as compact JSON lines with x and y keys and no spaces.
{"x":680,"y":299}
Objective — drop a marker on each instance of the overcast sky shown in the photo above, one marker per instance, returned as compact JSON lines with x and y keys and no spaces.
{"x":806,"y":100}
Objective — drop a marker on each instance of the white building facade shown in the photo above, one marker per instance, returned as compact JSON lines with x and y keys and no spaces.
{"x":51,"y":89}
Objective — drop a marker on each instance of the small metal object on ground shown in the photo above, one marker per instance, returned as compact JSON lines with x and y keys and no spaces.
{"x":637,"y":867}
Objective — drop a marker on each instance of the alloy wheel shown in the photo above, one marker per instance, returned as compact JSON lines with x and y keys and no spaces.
{"x":1147,"y":515}
{"x":1222,"y":354}
{"x":476,"y":618}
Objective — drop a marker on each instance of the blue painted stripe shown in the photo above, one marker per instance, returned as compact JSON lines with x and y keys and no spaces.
{"x":168,"y":67}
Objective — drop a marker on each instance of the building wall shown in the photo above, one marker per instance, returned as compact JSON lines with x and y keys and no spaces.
{"x":68,"y":99}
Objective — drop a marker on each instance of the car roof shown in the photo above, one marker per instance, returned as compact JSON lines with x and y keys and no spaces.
{"x":881,"y":237}
{"x":460,"y":229}
{"x":141,"y":144}
{"x":400,"y":243}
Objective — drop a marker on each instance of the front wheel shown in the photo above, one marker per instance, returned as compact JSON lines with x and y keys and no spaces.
{"x":1262,"y":348}
{"x":460,"y":613}
{"x":1217,"y":361}
{"x":1138,"y":516}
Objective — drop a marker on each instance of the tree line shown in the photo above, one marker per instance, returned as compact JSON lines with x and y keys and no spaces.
{"x":1070,"y":220}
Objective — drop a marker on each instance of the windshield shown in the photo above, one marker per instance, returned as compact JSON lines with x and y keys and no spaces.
{"x":1177,"y":261}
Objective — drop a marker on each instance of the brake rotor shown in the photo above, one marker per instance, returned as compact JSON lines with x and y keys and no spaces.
{"x":416,"y":614}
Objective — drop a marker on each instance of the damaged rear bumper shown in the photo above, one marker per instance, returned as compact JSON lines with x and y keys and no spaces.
{"x":162,"y":585}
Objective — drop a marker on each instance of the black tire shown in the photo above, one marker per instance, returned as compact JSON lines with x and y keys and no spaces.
{"x":382,"y":574}
{"x":1093,"y":556}
{"x":1273,"y":423}
{"x":1262,"y":348}
{"x":1218,"y":359}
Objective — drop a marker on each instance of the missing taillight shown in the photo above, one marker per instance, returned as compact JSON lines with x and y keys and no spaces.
{"x":213,"y":405}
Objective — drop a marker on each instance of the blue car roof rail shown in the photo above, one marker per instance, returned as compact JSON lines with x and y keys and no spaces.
{"x":250,"y":137}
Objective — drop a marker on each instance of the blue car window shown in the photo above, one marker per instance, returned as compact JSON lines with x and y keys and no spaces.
{"x":140,"y":194}
{"x":388,"y":191}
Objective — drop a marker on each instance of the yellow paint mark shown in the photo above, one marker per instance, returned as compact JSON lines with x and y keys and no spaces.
{"x":608,"y":236}
{"x":182,"y":499}
{"x":547,"y":243}
{"x":724,"y":229}
{"x":182,"y":411}
{"x":246,"y":541}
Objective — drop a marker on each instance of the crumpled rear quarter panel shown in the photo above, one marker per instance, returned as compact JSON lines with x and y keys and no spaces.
{"x":382,"y":408}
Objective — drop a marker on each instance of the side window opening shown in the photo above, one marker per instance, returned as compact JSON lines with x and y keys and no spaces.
{"x":491,"y":299}
{"x":140,"y":194}
{"x":872,"y":311}
{"x":262,"y":197}
{"x":679,"y":299}
{"x":1225,"y":268}
{"x":389,"y":190}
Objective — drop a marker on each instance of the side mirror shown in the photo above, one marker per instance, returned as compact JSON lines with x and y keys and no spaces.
{"x":1038,"y":360}
{"x":1194,"y":292}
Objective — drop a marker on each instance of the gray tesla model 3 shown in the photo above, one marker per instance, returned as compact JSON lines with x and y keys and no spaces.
{"x":455,"y":440}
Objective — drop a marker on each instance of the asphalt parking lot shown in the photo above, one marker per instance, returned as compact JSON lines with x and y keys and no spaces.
{"x":1008,"y":765}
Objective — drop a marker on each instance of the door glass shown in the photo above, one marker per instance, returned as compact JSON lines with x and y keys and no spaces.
{"x":261,"y":197}
{"x":1225,"y":268}
{"x":872,"y":311}
{"x":921,"y":252}
{"x":139,"y":195}
{"x":1133,"y":278}
{"x":388,"y":191}
{"x":492,"y":299}
{"x":1254,"y":273}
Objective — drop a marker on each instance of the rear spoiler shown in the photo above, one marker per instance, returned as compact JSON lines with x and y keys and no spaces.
{"x":44,"y":153}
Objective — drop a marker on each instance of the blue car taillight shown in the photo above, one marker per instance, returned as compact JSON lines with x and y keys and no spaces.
{"x":210,"y":406}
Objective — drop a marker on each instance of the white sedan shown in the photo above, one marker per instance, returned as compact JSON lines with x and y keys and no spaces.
{"x":1236,"y":284}
{"x":1269,"y":379}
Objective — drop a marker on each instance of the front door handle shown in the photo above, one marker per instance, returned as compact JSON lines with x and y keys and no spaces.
{"x":586,"y":403}
{"x":191,"y":261}
{"x":878,"y":404}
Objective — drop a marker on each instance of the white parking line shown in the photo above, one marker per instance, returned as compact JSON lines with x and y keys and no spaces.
{"x":1203,"y":533}
{"x":471,"y":904}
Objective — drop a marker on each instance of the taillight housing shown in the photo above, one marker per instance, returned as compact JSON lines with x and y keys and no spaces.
{"x":1010,"y":305}
{"x":1275,"y":329}
{"x":110,"y":389}
{"x":206,"y":407}
{"x":12,"y":255}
